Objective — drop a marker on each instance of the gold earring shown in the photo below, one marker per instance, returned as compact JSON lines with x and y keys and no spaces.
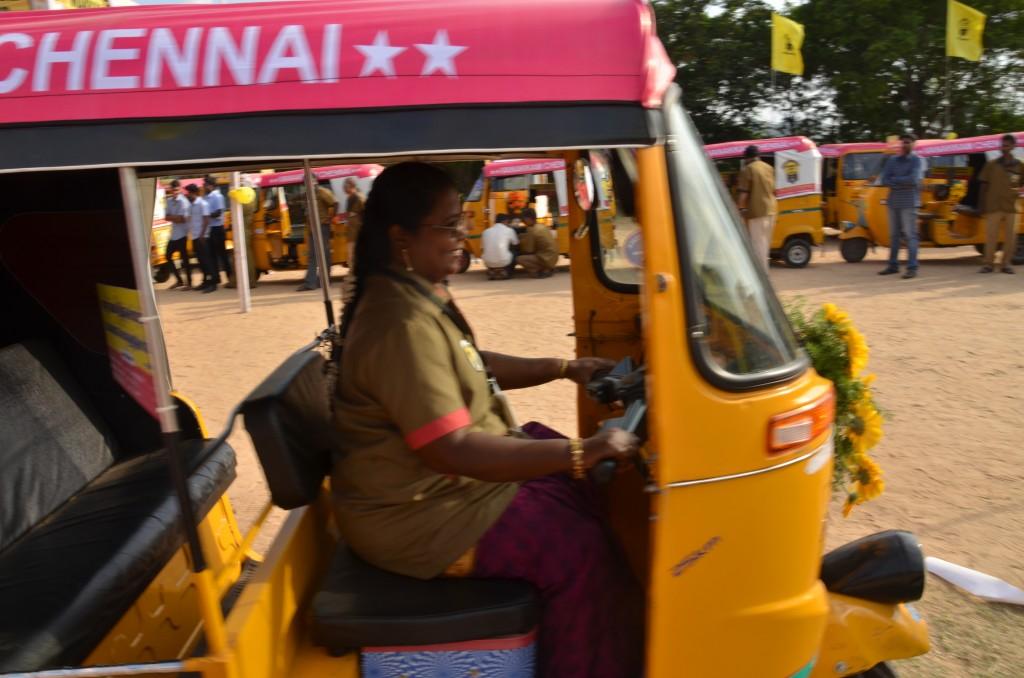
{"x":405,"y":257}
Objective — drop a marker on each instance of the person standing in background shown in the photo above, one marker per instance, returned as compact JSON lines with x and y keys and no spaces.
{"x":757,"y":204}
{"x":1001,"y":180}
{"x":353,"y":217}
{"x":217,"y":205}
{"x":198,"y":230}
{"x":177,"y":213}
{"x":902,"y":174}
{"x":326,"y":207}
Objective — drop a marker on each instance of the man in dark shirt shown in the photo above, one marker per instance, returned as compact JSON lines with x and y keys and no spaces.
{"x":902,"y":174}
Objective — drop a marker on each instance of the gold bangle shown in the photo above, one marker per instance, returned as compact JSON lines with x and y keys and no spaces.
{"x":563,"y":368}
{"x":579,"y":469}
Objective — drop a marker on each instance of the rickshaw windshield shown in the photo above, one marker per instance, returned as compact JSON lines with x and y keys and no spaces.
{"x":740,"y":333}
{"x":860,"y":166}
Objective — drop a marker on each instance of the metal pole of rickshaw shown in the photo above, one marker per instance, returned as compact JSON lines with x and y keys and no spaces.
{"x":323,"y":265}
{"x":241,"y":239}
{"x":167,"y":411}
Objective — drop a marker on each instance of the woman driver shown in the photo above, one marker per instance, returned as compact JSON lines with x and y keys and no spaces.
{"x":434,"y":478}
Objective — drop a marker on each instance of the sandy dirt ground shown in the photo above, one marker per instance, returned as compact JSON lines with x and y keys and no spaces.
{"x":947,"y":347}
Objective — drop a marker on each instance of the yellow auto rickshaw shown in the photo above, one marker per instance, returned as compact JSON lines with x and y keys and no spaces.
{"x":848,"y":167}
{"x":949,"y":214}
{"x":111,"y":565}
{"x":797,"y":163}
{"x":280,"y":220}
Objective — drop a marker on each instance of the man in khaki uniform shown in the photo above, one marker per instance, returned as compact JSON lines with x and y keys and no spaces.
{"x":539,"y":250}
{"x":1000,"y":187}
{"x":326,"y":207}
{"x":757,"y":202}
{"x":354,"y":206}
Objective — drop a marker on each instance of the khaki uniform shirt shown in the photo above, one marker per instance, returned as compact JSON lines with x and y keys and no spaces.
{"x":325,"y":200}
{"x":354,"y":215}
{"x":544,"y":244}
{"x":1004,"y":182}
{"x":758,"y":179}
{"x":408,"y":377}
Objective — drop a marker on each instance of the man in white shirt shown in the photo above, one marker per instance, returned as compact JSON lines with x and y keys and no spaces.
{"x":217,"y":205}
{"x":498,"y":241}
{"x":198,"y":229}
{"x":177,"y":213}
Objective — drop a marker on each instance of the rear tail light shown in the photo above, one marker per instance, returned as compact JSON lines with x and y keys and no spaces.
{"x":791,"y":430}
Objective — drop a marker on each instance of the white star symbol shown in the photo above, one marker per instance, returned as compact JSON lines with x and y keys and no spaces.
{"x":379,"y":56}
{"x":440,"y":55}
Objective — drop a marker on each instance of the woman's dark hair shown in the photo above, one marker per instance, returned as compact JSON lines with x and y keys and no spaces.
{"x":402,"y":194}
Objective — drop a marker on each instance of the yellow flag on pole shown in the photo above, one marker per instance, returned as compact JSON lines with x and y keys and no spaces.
{"x":964,"y":26}
{"x":787,"y":39}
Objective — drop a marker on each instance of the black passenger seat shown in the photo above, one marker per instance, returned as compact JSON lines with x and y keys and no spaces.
{"x":84,"y":526}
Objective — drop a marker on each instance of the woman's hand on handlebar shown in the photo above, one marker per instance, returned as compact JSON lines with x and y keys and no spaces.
{"x":581,"y":370}
{"x":614,"y":444}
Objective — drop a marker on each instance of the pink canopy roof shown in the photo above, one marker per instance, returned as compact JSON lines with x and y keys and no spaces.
{"x":734,"y":149}
{"x":321,"y":173}
{"x":835,"y":150}
{"x":514,"y":167}
{"x":990,"y":142}
{"x":208,"y":60}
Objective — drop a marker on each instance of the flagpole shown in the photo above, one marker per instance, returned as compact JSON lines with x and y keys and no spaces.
{"x":949,"y":101}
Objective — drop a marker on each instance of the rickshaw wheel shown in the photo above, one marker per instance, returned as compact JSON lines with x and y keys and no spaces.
{"x":796,"y":253}
{"x":853,"y":249}
{"x":882,"y":670}
{"x":1018,"y":255}
{"x":980,"y":248}
{"x":163,"y":273}
{"x":464,"y":260}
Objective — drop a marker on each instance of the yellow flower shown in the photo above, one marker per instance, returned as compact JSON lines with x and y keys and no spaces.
{"x":835,"y":316}
{"x":857,"y":350}
{"x":868,"y":379}
{"x":866,"y":430}
{"x":869,"y":478}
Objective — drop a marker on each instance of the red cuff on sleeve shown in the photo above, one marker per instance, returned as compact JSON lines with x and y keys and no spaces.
{"x":441,"y":426}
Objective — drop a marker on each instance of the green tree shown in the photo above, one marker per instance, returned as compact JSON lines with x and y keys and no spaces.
{"x":872,"y":68}
{"x":718,"y":50}
{"x":885,"y":61}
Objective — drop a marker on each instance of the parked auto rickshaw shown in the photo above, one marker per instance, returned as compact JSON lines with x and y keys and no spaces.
{"x":949,"y":214}
{"x":506,"y":187}
{"x":110,"y":565}
{"x":847,"y":167}
{"x":797,"y":162}
{"x":280,"y":221}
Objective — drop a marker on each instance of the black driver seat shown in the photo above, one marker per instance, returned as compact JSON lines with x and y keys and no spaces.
{"x":359,"y":605}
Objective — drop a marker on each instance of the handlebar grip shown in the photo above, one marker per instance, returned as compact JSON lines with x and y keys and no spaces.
{"x":603,"y":472}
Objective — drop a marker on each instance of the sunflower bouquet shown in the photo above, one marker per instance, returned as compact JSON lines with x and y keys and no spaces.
{"x":840,"y":353}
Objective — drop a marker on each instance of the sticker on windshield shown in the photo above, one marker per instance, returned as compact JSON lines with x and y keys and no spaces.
{"x":634,"y":249}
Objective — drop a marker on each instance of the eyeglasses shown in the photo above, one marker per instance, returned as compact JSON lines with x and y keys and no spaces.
{"x":454,"y":228}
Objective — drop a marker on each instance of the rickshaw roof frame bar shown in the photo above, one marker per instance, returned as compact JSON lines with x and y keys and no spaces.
{"x":323,"y":267}
{"x":257,"y":161}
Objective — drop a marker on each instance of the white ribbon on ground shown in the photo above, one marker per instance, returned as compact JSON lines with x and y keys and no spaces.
{"x":978,"y":583}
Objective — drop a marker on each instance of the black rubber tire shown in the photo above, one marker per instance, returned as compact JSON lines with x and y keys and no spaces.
{"x":163,"y":273}
{"x":464,"y":261}
{"x":882,"y":670}
{"x":853,"y":249}
{"x":1018,"y":255}
{"x":980,"y":249}
{"x":796,"y":253}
